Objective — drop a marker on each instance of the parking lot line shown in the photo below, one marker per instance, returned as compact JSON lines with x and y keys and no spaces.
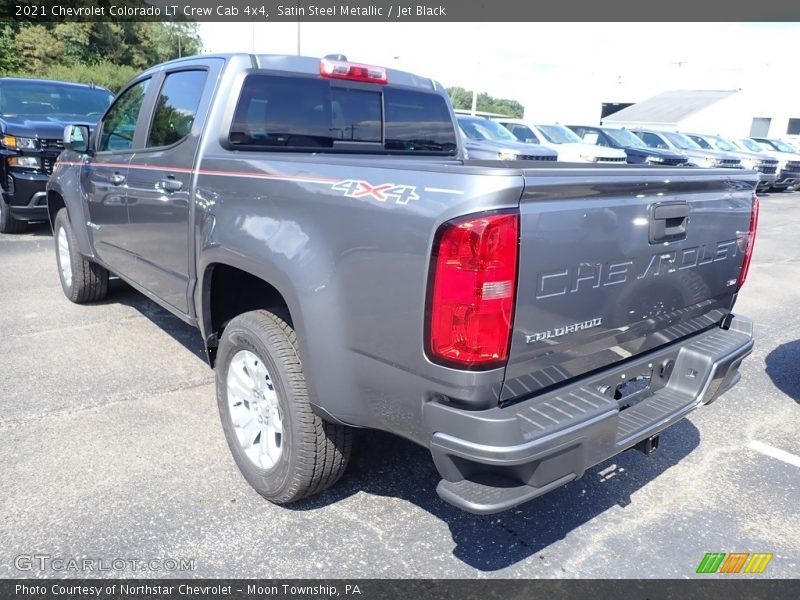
{"x":774,"y":452}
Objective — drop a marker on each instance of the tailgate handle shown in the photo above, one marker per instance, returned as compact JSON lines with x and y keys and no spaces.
{"x":668,"y":221}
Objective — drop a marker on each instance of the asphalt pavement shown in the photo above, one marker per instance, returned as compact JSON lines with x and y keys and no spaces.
{"x":111,"y":449}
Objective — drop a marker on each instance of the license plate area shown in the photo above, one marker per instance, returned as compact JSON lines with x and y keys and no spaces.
{"x":634,"y":385}
{"x":632,"y":391}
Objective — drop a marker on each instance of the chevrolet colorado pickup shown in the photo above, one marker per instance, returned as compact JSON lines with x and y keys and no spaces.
{"x":33,"y":113}
{"x":347,"y":267}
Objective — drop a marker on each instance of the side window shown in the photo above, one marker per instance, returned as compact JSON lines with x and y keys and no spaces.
{"x":592,"y":137}
{"x":120,"y":121}
{"x":524,"y":134}
{"x":653,"y":141}
{"x":176,"y":107}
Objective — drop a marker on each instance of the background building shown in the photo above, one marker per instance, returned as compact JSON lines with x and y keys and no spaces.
{"x":733,"y":113}
{"x":735,"y":102}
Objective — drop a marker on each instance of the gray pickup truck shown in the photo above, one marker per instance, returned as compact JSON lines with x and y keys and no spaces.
{"x":346,"y":267}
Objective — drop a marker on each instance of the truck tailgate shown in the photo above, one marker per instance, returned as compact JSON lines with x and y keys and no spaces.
{"x":616,"y":262}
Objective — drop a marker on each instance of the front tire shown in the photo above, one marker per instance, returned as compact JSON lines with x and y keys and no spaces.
{"x":8,"y":224}
{"x":283,"y":449}
{"x":81,"y":279}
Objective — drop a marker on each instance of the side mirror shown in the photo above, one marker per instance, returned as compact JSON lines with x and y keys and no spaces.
{"x":76,"y":138}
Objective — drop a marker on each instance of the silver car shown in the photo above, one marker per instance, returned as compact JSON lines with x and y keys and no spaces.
{"x":488,"y":140}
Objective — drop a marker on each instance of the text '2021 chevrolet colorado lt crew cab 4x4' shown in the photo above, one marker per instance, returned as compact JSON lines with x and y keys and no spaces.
{"x":346,"y":267}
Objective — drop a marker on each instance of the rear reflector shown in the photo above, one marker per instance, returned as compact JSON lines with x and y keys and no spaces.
{"x":338,"y":69}
{"x":471,"y":305}
{"x":751,"y":240}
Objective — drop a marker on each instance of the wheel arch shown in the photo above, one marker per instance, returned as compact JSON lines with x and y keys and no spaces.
{"x":58,"y":198}
{"x":55,"y":202}
{"x":227,"y":290}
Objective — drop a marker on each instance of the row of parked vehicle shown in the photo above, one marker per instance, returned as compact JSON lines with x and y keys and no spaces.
{"x":33,"y":114}
{"x":776,"y":161}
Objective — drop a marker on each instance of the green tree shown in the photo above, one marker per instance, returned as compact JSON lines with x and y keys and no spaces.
{"x":75,"y":38}
{"x":103,"y":73}
{"x":171,"y":40}
{"x":462,"y":99}
{"x":108,"y":54}
{"x":9,"y":61}
{"x":80,"y":51}
{"x":36,"y":48}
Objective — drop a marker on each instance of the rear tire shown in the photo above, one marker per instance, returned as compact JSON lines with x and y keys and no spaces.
{"x":81,"y":279}
{"x":261,"y":389}
{"x":8,"y":224}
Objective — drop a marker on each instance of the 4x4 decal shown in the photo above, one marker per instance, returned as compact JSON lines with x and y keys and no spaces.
{"x":355,"y":188}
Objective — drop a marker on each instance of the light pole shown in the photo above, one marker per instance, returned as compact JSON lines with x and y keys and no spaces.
{"x":475,"y":88}
{"x":176,"y":31}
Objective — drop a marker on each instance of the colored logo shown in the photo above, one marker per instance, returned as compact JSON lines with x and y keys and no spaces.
{"x":354,"y":188}
{"x":735,"y":562}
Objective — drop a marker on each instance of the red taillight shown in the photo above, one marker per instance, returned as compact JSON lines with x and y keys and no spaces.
{"x":751,"y":240}
{"x":474,"y":281}
{"x":338,"y":69}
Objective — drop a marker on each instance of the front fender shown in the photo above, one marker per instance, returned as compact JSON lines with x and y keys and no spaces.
{"x":64,"y":186}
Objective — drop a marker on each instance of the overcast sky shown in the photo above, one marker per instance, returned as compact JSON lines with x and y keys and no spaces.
{"x":508,"y":59}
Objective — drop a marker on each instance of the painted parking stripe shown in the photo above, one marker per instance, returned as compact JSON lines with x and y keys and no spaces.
{"x":774,"y":452}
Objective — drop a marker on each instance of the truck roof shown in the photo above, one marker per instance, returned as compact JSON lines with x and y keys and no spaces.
{"x":302,"y":64}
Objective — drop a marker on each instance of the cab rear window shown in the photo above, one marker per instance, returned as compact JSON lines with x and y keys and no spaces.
{"x":305,"y":113}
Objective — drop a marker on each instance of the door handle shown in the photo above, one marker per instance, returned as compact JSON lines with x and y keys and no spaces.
{"x":668,"y":221}
{"x":170,"y":184}
{"x":117,"y":178}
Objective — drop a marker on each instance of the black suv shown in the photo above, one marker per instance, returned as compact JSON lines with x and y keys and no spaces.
{"x":33,"y":114}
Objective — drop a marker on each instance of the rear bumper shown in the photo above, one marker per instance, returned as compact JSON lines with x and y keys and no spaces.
{"x":493,"y":460}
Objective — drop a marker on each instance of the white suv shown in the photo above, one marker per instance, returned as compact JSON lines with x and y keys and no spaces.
{"x":570,"y":147}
